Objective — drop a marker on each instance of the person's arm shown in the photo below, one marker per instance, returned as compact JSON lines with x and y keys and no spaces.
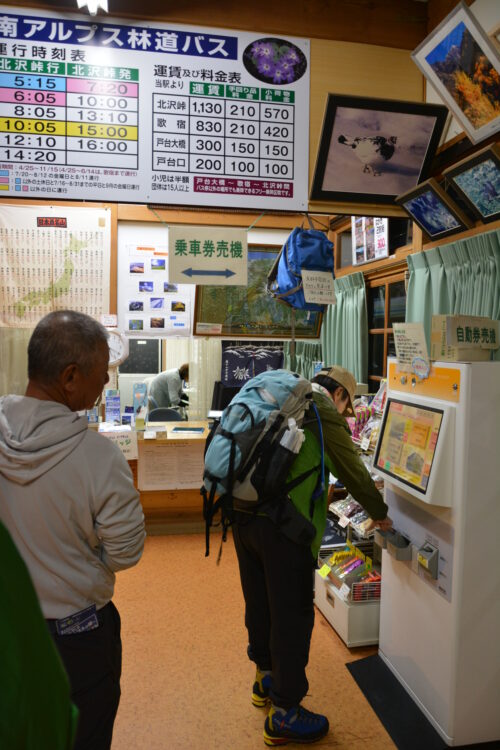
{"x":119,"y":520}
{"x":348,"y":466}
{"x":174,"y":388}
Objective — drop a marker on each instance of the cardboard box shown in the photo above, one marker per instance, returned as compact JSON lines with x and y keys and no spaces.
{"x":440,"y":349}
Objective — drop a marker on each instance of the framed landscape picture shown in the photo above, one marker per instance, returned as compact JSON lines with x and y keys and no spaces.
{"x":241,"y":311}
{"x":477,"y":182}
{"x":372,"y":150}
{"x":463,"y":66}
{"x":433,"y":211}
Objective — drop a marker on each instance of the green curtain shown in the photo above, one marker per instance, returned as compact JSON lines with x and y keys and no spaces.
{"x":344,"y":334}
{"x":306,"y":354}
{"x":458,"y":278}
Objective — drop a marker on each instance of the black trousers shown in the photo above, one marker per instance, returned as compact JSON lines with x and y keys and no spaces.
{"x":277,"y":582}
{"x":93,"y":661}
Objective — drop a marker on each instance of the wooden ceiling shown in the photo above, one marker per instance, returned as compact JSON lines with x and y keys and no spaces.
{"x":390,"y":23}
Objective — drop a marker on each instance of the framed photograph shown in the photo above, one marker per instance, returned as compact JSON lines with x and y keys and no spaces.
{"x":248,"y":311}
{"x":477,"y":181}
{"x":372,"y":150}
{"x":462,"y":64}
{"x":433,"y":211}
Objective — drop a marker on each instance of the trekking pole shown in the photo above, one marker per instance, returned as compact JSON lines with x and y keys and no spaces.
{"x":292,"y":342}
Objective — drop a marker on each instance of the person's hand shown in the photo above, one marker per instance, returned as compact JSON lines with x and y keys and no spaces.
{"x":384,"y":525}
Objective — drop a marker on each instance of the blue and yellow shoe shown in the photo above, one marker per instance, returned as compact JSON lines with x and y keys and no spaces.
{"x":260,"y":690}
{"x":296,"y":725}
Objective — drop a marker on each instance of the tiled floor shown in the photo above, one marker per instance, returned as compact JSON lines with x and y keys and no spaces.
{"x":186,"y":679}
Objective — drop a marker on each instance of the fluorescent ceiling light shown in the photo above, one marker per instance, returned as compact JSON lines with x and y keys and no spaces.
{"x":93,"y":5}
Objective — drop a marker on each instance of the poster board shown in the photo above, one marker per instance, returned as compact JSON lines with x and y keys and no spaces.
{"x":149,"y":306}
{"x":152,"y":112}
{"x":53,"y":258}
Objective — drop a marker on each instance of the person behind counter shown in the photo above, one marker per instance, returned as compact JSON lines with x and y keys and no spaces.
{"x":69,"y":503}
{"x":277,"y":571}
{"x":166,"y":388}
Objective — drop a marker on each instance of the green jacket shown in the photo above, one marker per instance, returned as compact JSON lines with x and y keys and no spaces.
{"x":341,"y":459}
{"x":36,"y":712}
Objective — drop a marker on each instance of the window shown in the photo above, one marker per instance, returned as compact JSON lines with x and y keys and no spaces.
{"x":386,"y":303}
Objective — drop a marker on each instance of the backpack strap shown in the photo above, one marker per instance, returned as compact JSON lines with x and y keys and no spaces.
{"x":320,"y":486}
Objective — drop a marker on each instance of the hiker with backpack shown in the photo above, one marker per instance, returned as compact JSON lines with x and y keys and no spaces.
{"x":277,"y":541}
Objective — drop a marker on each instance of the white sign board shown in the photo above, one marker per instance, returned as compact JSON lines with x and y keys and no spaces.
{"x":370,"y":239}
{"x":178,"y":466}
{"x":206,"y":255}
{"x":411,"y":348}
{"x":318,"y":287}
{"x":151,"y":112}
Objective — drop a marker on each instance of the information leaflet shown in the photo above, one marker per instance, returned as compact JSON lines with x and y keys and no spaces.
{"x":151,"y":113}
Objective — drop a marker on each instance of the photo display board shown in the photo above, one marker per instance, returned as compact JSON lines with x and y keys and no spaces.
{"x":149,"y":305}
{"x":151,"y":113}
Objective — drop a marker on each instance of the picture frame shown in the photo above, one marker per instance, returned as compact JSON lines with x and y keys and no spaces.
{"x":433,"y":210}
{"x":248,"y":311}
{"x":372,"y":150}
{"x":459,"y":61}
{"x":477,"y":181}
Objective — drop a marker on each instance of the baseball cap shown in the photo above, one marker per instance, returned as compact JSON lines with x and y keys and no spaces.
{"x":344,"y":378}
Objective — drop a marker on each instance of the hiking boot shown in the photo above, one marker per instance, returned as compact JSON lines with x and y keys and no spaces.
{"x":260,"y":690}
{"x":295,"y":725}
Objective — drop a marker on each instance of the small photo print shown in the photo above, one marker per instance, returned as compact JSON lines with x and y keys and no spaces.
{"x":157,"y":264}
{"x":136,"y":306}
{"x":146,"y":286}
{"x":156,"y":303}
{"x":178,"y":307}
{"x":170,"y":287}
{"x":157,"y":322}
{"x":136,"y":325}
{"x":136,"y":267}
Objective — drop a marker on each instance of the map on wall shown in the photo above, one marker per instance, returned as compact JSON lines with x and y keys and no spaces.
{"x":53,"y":259}
{"x":151,"y":113}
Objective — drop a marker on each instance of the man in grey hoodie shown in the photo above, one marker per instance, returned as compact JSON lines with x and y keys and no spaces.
{"x":68,"y":500}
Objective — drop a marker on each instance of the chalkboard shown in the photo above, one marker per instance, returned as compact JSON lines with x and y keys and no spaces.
{"x":144,"y":356}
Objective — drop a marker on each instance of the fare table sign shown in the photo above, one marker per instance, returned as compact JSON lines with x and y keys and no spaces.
{"x":206,"y":255}
{"x":151,"y":113}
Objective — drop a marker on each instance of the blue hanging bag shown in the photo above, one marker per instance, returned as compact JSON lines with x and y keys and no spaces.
{"x":307,"y":249}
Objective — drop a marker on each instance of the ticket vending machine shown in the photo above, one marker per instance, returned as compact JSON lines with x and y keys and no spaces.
{"x":439,"y":453}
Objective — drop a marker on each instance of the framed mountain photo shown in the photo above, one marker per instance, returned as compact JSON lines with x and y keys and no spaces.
{"x":463,"y":66}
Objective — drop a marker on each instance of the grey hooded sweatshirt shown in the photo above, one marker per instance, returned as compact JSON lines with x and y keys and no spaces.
{"x":69,"y":502}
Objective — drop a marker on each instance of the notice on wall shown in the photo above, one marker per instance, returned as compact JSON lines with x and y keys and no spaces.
{"x":178,"y":466}
{"x":208,"y":255}
{"x":411,"y":348}
{"x":151,"y":113}
{"x":370,"y":240}
{"x":53,"y":259}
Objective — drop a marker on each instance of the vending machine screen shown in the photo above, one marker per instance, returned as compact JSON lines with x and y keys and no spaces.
{"x":407,"y":443}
